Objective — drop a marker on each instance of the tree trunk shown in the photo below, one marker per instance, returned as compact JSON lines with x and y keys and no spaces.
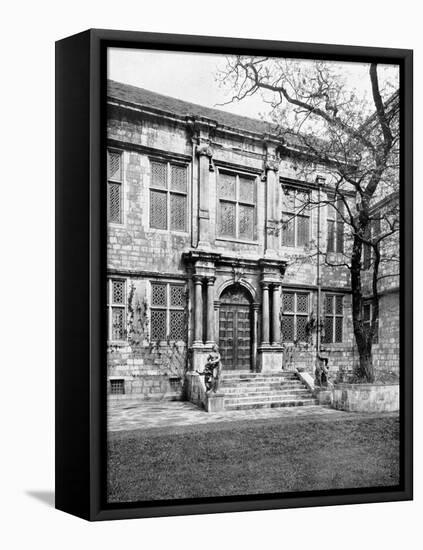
{"x":364,"y":370}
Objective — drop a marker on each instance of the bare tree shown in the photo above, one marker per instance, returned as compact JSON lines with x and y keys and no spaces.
{"x":323,"y":122}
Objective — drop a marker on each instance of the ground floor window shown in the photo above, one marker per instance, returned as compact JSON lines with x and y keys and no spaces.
{"x":334,"y":318}
{"x":295,"y":312}
{"x":117,"y":386}
{"x":167,"y":311}
{"x":116,"y":306}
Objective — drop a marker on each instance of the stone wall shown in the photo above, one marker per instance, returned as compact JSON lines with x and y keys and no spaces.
{"x":366,"y":397}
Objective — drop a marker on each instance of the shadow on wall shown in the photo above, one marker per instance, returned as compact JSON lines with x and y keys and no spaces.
{"x":46,"y":497}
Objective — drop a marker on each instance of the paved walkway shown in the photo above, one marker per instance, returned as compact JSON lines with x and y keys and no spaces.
{"x":133,"y":415}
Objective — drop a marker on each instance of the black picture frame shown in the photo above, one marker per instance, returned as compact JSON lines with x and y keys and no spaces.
{"x":81,"y":266}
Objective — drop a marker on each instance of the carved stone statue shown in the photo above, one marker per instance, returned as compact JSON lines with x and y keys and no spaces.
{"x":322,"y":372}
{"x":212,"y":371}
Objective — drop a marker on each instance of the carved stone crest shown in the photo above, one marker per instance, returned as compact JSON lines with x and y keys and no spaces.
{"x":237,"y":273}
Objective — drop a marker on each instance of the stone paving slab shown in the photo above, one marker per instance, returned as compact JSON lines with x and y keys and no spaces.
{"x":146,"y":415}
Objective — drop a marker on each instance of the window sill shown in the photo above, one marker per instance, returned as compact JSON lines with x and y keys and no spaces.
{"x":240,"y":241}
{"x":169,"y":231}
{"x":164,"y":343}
{"x":118,"y":343}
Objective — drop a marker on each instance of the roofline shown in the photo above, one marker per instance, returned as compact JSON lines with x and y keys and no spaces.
{"x":187,"y":119}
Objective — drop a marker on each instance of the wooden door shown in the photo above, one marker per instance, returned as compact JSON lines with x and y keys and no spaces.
{"x":235,"y":330}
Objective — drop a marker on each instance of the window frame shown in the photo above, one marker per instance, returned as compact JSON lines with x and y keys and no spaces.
{"x":293,"y":217}
{"x":120,"y":182}
{"x":121,"y":384}
{"x":368,"y":252}
{"x":168,"y":308}
{"x":169,"y":192}
{"x":332,"y":215}
{"x":295,"y":313}
{"x":238,"y":174}
{"x":115,"y":305}
{"x":333,"y":315}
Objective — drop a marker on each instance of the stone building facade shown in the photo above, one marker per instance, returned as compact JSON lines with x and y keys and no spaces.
{"x":197,"y":253}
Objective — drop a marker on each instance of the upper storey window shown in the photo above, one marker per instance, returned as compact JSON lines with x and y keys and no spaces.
{"x":168,"y":196}
{"x":296,"y":218}
{"x":114,"y":186}
{"x":335,"y":227}
{"x":237,"y":206}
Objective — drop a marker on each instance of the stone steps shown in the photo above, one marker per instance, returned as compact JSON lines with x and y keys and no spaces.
{"x":261,"y":386}
{"x":289,"y":391}
{"x":270,"y":404}
{"x":249,"y":390}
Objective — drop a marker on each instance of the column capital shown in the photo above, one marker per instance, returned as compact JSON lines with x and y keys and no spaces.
{"x":198,"y":279}
{"x":265,"y":285}
{"x":271,"y":164}
{"x":204,"y":150}
{"x":210,"y":280}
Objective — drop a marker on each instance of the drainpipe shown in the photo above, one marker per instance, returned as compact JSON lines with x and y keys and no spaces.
{"x":319,"y":181}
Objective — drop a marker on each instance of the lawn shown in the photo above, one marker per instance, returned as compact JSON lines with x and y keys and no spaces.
{"x":251,"y":457}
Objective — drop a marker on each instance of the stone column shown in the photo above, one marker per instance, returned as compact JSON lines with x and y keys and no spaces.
{"x":210,"y":311}
{"x":254,"y":336}
{"x":265,"y":314}
{"x":204,"y":153}
{"x":198,"y":311}
{"x":272,"y":204}
{"x":276,"y":330}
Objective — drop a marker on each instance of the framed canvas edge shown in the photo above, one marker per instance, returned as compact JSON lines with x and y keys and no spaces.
{"x":94,"y":507}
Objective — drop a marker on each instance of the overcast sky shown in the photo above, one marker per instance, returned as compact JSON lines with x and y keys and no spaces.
{"x":191,"y":77}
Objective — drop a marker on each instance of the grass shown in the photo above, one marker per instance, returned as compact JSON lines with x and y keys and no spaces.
{"x":252,"y":457}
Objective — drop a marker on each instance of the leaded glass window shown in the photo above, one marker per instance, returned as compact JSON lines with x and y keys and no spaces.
{"x":295,"y":313}
{"x":296,"y":218}
{"x":114,"y":187}
{"x":167,"y":311}
{"x":237,"y":206}
{"x":372,"y":232}
{"x":168,"y":196}
{"x":116,"y":305}
{"x":333,"y":318}
{"x":335,"y":227}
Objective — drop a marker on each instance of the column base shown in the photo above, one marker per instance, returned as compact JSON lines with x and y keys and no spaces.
{"x":270,"y":358}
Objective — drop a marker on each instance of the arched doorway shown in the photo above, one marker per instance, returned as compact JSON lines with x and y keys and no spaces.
{"x":235,"y":320}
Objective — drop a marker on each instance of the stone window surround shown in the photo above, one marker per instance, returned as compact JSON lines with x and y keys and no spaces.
{"x":333,"y":216}
{"x":111,"y":305}
{"x":168,"y":282}
{"x":305,"y":213}
{"x":295,"y":313}
{"x":334,"y":316}
{"x":170,"y":160}
{"x":226,"y":168}
{"x":121,"y":152}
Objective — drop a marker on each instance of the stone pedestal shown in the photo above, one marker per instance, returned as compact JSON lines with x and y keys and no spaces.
{"x":214,"y":402}
{"x":199,"y":356}
{"x":270,"y":359}
{"x":323,"y":395}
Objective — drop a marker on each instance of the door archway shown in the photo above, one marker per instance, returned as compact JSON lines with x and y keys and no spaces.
{"x":235,"y":328}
